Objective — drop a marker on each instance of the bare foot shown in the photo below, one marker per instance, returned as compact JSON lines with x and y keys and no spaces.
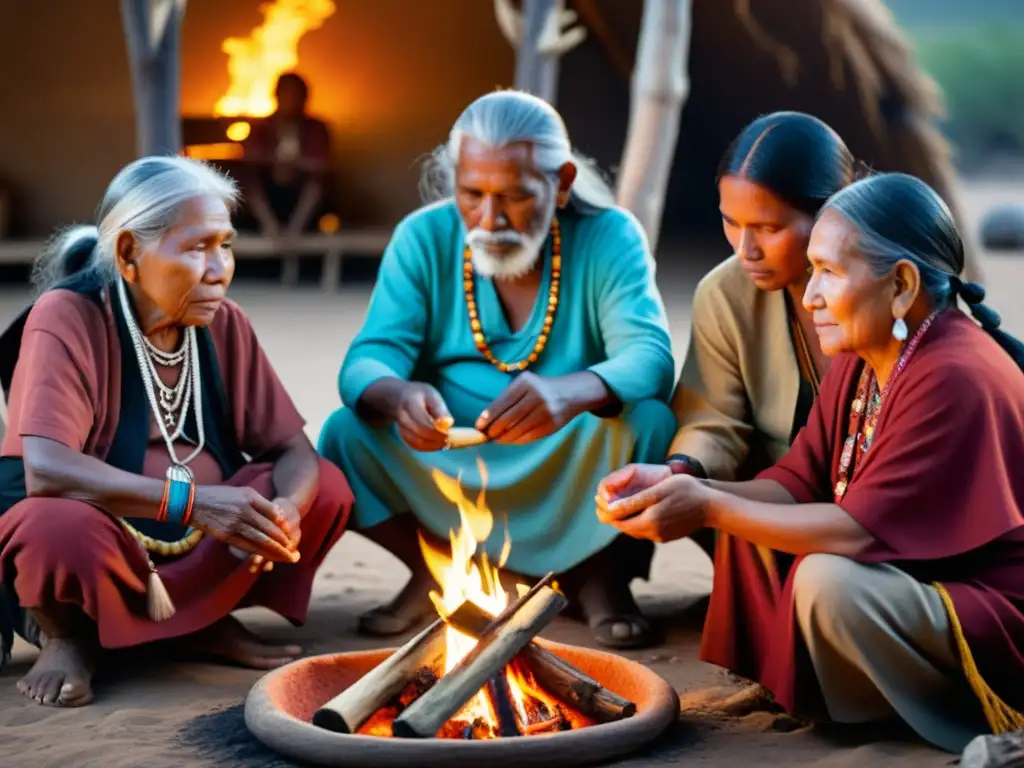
{"x":228,"y":639}
{"x":409,"y":608}
{"x":62,"y":675}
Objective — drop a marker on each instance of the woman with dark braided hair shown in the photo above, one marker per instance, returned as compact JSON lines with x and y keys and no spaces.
{"x":877,"y":570}
{"x":754,"y":365}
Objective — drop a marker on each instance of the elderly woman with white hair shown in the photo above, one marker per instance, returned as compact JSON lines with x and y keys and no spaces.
{"x":154,"y":470}
{"x":523,"y":304}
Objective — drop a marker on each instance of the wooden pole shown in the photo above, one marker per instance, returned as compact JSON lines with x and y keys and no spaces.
{"x":153,"y":31}
{"x":660,"y":86}
{"x":535,"y":72}
{"x":541,"y":33}
{"x":351,"y":708}
{"x":496,"y":648}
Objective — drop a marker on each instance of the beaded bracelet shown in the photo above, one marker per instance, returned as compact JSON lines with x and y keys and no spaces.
{"x":179,"y":495}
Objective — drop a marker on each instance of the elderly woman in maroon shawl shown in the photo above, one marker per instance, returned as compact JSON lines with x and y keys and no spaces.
{"x":154,"y":469}
{"x":878,"y":568}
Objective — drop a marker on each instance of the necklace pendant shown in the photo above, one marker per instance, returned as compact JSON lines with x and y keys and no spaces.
{"x":169,"y":419}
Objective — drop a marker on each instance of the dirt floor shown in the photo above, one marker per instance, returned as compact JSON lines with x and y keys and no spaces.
{"x":154,"y":712}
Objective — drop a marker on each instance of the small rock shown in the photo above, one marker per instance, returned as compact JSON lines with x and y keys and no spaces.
{"x":1002,"y":228}
{"x":1003,"y":751}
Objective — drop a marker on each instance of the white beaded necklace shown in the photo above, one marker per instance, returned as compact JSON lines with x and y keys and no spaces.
{"x":189,"y":384}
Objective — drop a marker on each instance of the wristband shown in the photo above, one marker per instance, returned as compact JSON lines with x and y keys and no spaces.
{"x":179,"y":494}
{"x":692,"y":463}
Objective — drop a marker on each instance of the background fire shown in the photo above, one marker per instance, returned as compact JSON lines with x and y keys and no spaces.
{"x":255,"y":62}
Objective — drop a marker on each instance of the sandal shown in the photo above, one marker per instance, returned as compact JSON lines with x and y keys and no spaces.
{"x":607,"y":631}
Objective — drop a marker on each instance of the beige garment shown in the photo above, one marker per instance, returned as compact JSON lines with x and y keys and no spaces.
{"x":882,"y":645}
{"x":738,"y":391}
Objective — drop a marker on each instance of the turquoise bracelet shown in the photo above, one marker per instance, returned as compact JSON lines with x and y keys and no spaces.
{"x":180,"y":493}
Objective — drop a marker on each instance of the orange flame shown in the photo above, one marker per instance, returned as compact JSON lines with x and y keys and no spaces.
{"x":461,"y":578}
{"x":255,"y":62}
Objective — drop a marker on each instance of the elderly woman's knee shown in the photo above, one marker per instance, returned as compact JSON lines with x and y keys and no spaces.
{"x":829,"y":584}
{"x":50,"y":528}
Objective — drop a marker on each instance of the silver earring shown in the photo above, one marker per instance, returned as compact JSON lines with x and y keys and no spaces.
{"x":899,"y":329}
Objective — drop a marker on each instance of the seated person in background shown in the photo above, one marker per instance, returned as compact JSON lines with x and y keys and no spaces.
{"x":286,"y":159}
{"x":877,"y":570}
{"x":154,"y":470}
{"x":523,"y":304}
{"x":754,"y":365}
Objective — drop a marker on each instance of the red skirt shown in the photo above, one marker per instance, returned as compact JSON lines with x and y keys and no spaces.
{"x":71,"y":552}
{"x":750,"y":627}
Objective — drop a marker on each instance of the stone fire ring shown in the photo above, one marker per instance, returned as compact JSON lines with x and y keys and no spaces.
{"x":280,"y":706}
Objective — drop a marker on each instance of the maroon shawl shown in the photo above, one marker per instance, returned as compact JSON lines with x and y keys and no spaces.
{"x":942,"y":493}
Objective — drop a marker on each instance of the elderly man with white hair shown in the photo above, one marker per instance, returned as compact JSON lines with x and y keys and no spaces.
{"x":521,"y":303}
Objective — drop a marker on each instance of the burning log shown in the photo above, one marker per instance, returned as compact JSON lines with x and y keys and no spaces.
{"x":570,"y":685}
{"x":501,"y":698}
{"x":506,"y":637}
{"x":354,"y":706}
{"x":553,"y":674}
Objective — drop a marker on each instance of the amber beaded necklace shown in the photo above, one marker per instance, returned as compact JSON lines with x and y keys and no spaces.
{"x":469,"y":284}
{"x":864,"y":412}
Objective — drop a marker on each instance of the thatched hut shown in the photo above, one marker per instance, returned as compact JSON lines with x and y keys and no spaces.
{"x":846,"y":61}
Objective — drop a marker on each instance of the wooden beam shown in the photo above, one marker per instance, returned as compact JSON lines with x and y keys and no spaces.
{"x":592,"y":17}
{"x":159,"y":17}
{"x":155,"y":74}
{"x":660,"y":86}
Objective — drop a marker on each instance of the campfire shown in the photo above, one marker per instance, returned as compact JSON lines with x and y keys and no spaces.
{"x":475,"y":672}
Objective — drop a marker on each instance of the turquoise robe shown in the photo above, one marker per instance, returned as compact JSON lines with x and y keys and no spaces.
{"x":610,"y":320}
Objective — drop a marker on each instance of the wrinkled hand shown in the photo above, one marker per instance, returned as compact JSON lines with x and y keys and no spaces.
{"x":293,"y":518}
{"x":670,"y":509}
{"x":243,"y":519}
{"x":630,"y":480}
{"x":422,"y":417}
{"x":530,"y":408}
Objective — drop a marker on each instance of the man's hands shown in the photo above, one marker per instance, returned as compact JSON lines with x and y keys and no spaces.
{"x":530,"y":408}
{"x":533,"y":406}
{"x":422,"y":417}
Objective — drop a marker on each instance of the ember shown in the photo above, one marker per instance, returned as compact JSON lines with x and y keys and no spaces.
{"x":476,"y":672}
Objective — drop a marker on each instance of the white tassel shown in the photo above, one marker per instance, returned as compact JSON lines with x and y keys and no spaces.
{"x":158,"y":601}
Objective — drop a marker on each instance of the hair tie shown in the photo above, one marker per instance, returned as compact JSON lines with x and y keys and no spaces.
{"x":972,"y":293}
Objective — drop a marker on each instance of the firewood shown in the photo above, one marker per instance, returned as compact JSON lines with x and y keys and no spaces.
{"x":347,"y":711}
{"x":568,"y":684}
{"x":493,"y":650}
{"x":501,"y":700}
{"x":556,"y":676}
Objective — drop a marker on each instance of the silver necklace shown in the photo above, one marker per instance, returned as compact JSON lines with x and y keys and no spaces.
{"x":171,"y":398}
{"x":192,"y":387}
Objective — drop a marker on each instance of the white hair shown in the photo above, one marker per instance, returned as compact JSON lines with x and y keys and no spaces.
{"x":506,"y":117}
{"x":144,"y":198}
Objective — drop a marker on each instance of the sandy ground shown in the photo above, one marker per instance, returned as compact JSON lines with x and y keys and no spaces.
{"x":154,"y":712}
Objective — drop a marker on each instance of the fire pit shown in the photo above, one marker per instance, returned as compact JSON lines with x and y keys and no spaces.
{"x":280,"y":708}
{"x":476,"y":684}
